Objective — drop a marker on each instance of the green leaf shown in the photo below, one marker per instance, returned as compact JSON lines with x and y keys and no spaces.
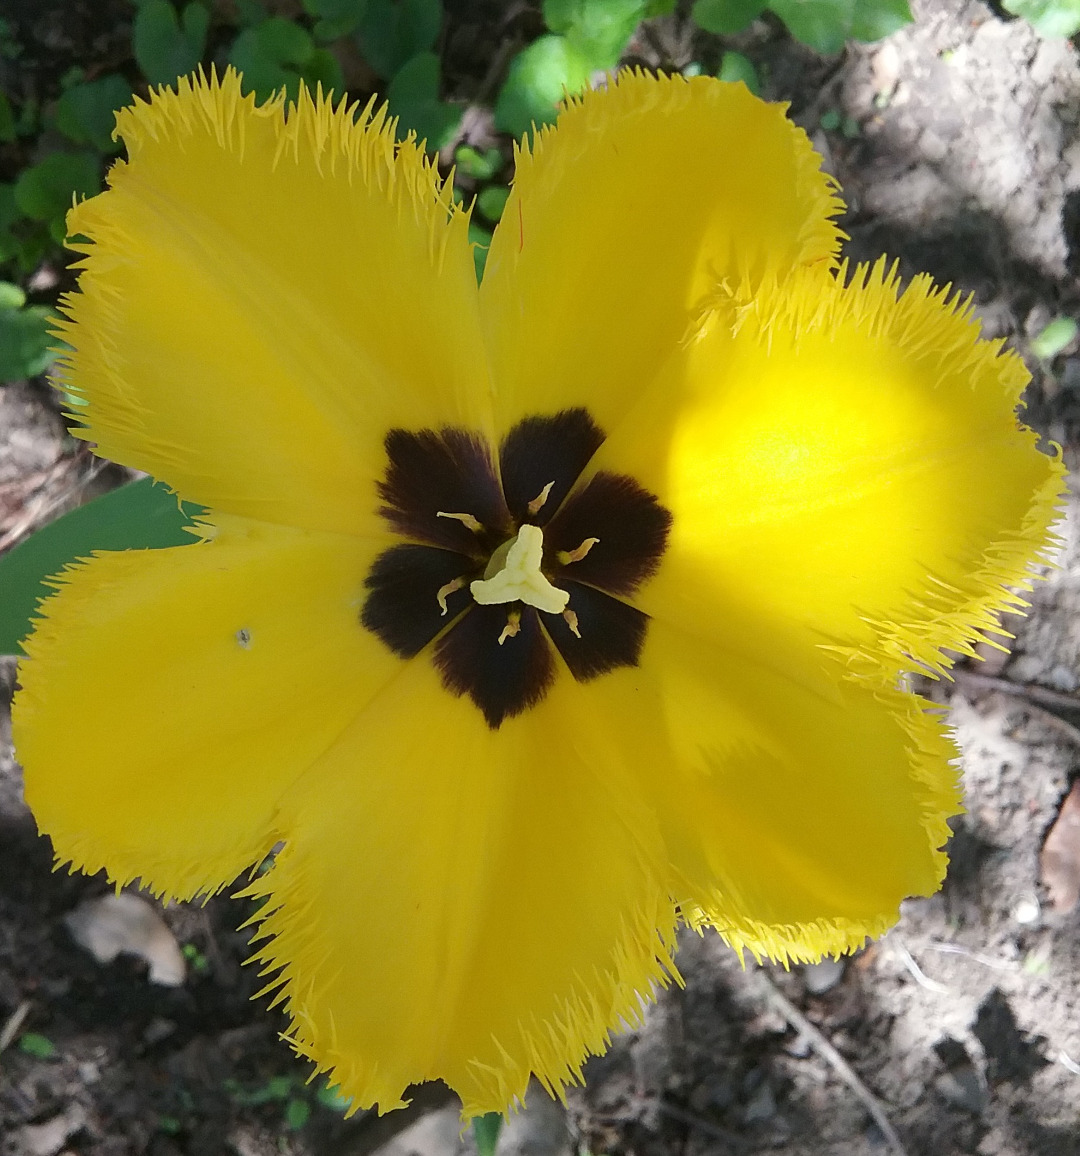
{"x":724,"y":17}
{"x":168,"y":44}
{"x":297,"y":1113}
{"x":480,"y":239}
{"x":46,"y":190}
{"x":480,"y":166}
{"x":143,"y":515}
{"x":492,"y":201}
{"x":734,"y":66}
{"x":331,"y":1098}
{"x":26,"y":342}
{"x":392,"y":32}
{"x":334,"y":18}
{"x":598,"y":29}
{"x":413,"y":97}
{"x":875,"y":19}
{"x":823,"y":25}
{"x":278,"y":54}
{"x":1047,"y":17}
{"x":486,"y":1131}
{"x":11,"y":296}
{"x":38,"y":1046}
{"x":86,"y":113}
{"x":540,"y":77}
{"x":1061,"y":332}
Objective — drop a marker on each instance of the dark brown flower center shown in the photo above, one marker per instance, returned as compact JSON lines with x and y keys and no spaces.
{"x":494,"y":596}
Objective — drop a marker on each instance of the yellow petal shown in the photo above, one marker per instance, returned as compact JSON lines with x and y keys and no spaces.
{"x":798,"y":809}
{"x":171,"y":695}
{"x":622,"y":224}
{"x":263,"y":299}
{"x":460,"y":903}
{"x":848,"y":461}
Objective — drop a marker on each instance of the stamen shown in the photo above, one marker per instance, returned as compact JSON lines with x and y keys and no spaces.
{"x":565,"y":557}
{"x":537,"y":504}
{"x":571,"y":620}
{"x":512,"y":627}
{"x":474,"y":524}
{"x":445,"y":592}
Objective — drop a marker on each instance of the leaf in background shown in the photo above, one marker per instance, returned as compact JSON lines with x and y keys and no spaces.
{"x":598,"y":29}
{"x":167,"y":44}
{"x":876,"y":19}
{"x":1047,"y":17}
{"x":540,"y":77}
{"x":1054,"y":338}
{"x":724,"y":17}
{"x":26,"y":340}
{"x":480,"y":166}
{"x":413,"y":96}
{"x":44,"y":192}
{"x":486,"y":1131}
{"x":143,"y":515}
{"x":279,"y":54}
{"x":334,"y":18}
{"x":823,"y":25}
{"x":735,"y":66}
{"x":492,"y":201}
{"x":86,"y":113}
{"x":392,"y":32}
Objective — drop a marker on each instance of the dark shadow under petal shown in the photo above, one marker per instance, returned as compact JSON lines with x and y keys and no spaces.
{"x":402,"y":607}
{"x":612,"y":632}
{"x":501,"y":679}
{"x":540,"y":450}
{"x":449,"y":470}
{"x":632,"y":528}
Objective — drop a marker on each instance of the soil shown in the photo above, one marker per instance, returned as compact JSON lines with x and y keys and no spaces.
{"x":957,"y":143}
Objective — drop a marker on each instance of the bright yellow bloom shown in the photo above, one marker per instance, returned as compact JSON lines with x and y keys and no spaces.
{"x":531,"y":619}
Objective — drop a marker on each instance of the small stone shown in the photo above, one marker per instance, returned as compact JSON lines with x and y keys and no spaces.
{"x":762,"y":1105}
{"x":822,"y":977}
{"x":1027,"y":911}
{"x":125,"y":924}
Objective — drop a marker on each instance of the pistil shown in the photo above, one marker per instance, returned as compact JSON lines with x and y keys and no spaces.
{"x":519,"y":578}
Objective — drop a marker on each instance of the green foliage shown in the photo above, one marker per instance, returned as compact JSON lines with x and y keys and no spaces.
{"x":723,"y":17}
{"x":735,"y":66}
{"x":334,"y":18}
{"x":26,"y":340}
{"x":86,"y":112}
{"x":297,"y":1113}
{"x":332,"y":1099}
{"x":1047,"y":17}
{"x":167,"y":43}
{"x":1054,"y":338}
{"x":479,"y":166}
{"x":38,"y":1046}
{"x":824,"y":25}
{"x":492,"y":201}
{"x":278,"y":53}
{"x":540,"y":77}
{"x":45,"y":191}
{"x":598,"y":30}
{"x":7,"y":120}
{"x":486,"y":1131}
{"x":413,"y":96}
{"x":141,"y":516}
{"x":392,"y":32}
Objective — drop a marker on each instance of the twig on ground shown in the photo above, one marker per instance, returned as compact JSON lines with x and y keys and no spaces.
{"x":1048,"y":703}
{"x":978,"y":957}
{"x":820,"y":1043}
{"x":14,"y":1023}
{"x":917,"y":973}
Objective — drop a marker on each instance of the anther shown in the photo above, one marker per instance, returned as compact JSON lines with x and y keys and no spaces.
{"x":565,"y":557}
{"x":474,"y":524}
{"x":537,"y":504}
{"x":512,"y":627}
{"x":445,"y":592}
{"x":571,"y":620}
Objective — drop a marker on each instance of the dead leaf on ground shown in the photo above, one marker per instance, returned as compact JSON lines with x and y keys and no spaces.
{"x":1060,"y":858}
